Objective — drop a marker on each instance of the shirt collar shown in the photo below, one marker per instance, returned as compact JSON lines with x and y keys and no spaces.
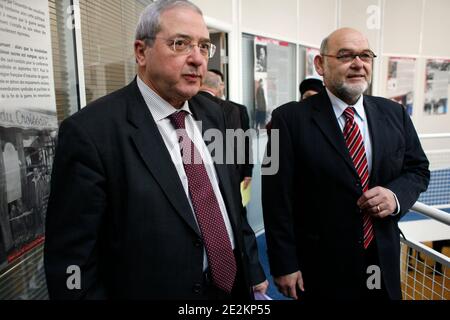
{"x":339,"y":106}
{"x":159,"y":108}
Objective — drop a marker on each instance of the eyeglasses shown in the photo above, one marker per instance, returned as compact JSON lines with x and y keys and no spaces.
{"x":366,"y":56}
{"x":185,"y":46}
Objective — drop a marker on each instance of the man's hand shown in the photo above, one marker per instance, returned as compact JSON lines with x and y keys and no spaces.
{"x":262,"y":287}
{"x":287,"y":284}
{"x":378,"y":202}
{"x":247,"y":181}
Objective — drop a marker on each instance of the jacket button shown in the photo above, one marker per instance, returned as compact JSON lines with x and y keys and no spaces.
{"x":197,"y":288}
{"x":198,"y":242}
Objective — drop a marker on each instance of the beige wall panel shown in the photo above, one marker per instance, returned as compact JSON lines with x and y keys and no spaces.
{"x":317,"y":19}
{"x":402,"y":25}
{"x":354,"y":14}
{"x":277,"y":19}
{"x":436,"y":28}
{"x":215,"y":9}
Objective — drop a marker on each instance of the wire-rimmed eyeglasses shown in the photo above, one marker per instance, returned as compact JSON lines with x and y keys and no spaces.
{"x":185,"y":45}
{"x":366,"y":56}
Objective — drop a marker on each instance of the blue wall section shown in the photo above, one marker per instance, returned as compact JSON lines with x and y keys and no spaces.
{"x":262,"y":249}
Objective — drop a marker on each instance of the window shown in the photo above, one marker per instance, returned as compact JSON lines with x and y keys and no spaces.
{"x":108,"y":29}
{"x":64,"y":66}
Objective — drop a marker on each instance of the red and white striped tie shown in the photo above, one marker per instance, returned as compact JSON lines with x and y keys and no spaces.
{"x":355,"y":144}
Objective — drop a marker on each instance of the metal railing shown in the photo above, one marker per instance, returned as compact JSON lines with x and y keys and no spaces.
{"x":437,"y":149}
{"x":432,"y":212}
{"x":425,"y":273}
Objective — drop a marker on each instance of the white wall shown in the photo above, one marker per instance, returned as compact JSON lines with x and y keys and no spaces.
{"x":219,"y":10}
{"x":317,"y":19}
{"x":402,"y":26}
{"x":417,"y":28}
{"x":275,"y":19}
{"x":353,"y":13}
{"x":436,"y":28}
{"x":435,"y":43}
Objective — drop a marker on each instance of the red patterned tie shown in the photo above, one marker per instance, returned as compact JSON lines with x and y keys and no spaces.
{"x":355,"y":144}
{"x":209,"y":217}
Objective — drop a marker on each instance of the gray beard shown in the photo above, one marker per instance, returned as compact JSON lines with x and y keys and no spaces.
{"x":350,"y":94}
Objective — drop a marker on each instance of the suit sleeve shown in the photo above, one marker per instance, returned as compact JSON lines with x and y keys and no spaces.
{"x":257,"y":274}
{"x":74,"y":216}
{"x":247,"y":168}
{"x":415,"y":174}
{"x":250,"y":249}
{"x":277,"y":200}
{"x":255,"y":270}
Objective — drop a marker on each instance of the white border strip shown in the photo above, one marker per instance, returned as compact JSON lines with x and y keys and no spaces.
{"x":217,"y":24}
{"x":79,"y":54}
{"x":269,"y":35}
{"x":434,"y":135}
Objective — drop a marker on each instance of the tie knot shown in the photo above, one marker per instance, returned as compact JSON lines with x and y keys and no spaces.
{"x":349,"y":113}
{"x":177,"y":119}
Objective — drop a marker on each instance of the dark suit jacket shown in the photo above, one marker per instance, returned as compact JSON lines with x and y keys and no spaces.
{"x":118,"y":210}
{"x":233,"y":122}
{"x":236,"y":117}
{"x":311,"y":218}
{"x":2,"y":248}
{"x":231,"y":112}
{"x":245,"y":170}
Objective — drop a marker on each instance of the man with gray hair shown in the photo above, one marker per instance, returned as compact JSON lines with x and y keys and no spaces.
{"x":350,"y":166}
{"x":211,"y":89}
{"x":212,"y":84}
{"x":138,"y":207}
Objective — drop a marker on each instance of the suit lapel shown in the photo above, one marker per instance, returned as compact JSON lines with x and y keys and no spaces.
{"x":153,"y":151}
{"x":377,"y":124}
{"x":325,"y":118}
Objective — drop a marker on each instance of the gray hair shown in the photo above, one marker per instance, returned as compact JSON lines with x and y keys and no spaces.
{"x":149,"y":22}
{"x":324,"y":46}
{"x":211,"y":80}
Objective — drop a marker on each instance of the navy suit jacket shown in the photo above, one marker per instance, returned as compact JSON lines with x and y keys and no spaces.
{"x":245,"y":169}
{"x":312,"y":221}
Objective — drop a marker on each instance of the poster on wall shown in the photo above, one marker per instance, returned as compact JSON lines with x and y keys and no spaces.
{"x":400,"y":81}
{"x":260,"y":112}
{"x":28,"y":124}
{"x":311,"y":72}
{"x":437,"y":86}
{"x":271,"y":78}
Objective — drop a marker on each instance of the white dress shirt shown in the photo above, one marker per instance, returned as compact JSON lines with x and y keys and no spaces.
{"x":161,"y":110}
